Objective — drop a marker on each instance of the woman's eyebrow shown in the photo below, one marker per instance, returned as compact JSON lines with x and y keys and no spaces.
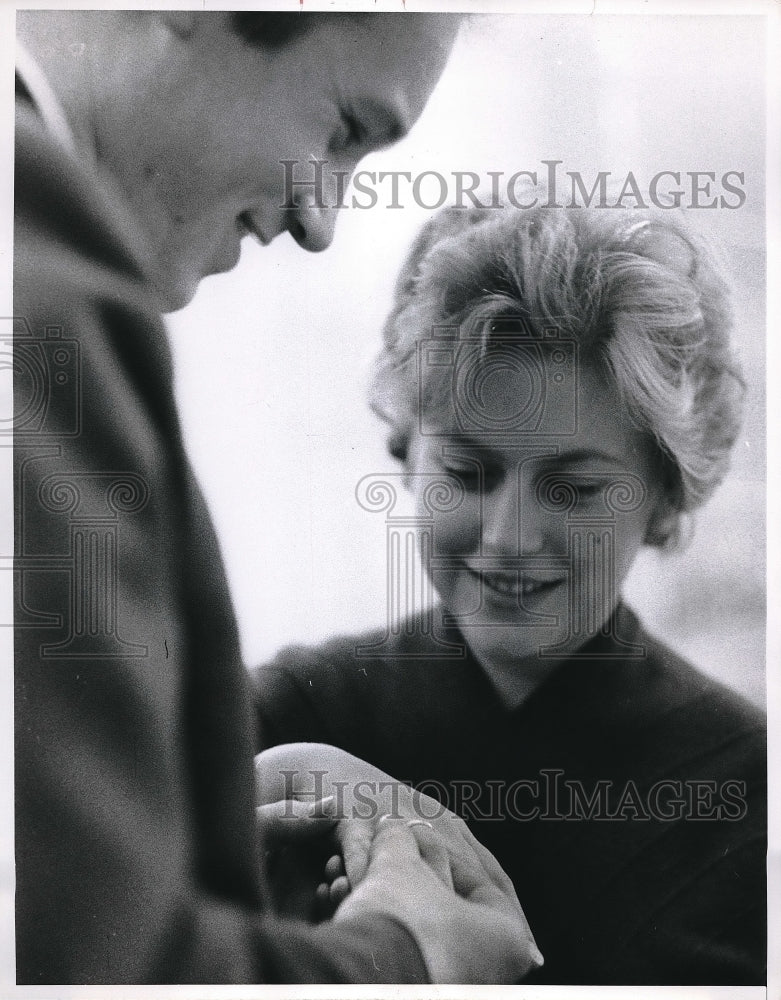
{"x":584,"y":455}
{"x":575,"y":456}
{"x":459,"y":440}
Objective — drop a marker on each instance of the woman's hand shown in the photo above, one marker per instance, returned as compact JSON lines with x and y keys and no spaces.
{"x":360,"y":794}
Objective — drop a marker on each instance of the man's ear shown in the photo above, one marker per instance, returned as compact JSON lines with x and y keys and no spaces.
{"x":180,"y":22}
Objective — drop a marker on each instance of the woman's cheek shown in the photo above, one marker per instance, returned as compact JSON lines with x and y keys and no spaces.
{"x":457,"y":532}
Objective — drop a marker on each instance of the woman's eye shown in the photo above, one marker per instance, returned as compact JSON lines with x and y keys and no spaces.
{"x":468,"y":475}
{"x":588,"y":489}
{"x":475,"y":477}
{"x":571,"y":491}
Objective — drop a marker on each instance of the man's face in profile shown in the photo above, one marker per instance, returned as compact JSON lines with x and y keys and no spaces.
{"x":197,"y":139}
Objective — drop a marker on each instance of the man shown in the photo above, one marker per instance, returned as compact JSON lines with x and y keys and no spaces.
{"x":148,"y":145}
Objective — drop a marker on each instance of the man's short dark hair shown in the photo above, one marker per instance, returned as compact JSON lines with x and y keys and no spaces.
{"x":272,"y":31}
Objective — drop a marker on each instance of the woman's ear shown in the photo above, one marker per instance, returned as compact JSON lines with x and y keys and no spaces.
{"x":662,"y":524}
{"x":399,"y":447}
{"x":398,"y":444}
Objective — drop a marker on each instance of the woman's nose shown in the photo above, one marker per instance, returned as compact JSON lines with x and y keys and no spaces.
{"x":512,"y":520}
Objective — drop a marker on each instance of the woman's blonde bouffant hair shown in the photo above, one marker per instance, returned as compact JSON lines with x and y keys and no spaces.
{"x":639,"y":293}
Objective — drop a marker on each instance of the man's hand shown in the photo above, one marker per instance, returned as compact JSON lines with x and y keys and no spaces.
{"x":473,"y":933}
{"x":299,"y":841}
{"x":291,"y":820}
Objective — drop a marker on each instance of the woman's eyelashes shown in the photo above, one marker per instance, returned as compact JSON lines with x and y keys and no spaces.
{"x":479,"y":476}
{"x":586,"y":489}
{"x":475,"y":475}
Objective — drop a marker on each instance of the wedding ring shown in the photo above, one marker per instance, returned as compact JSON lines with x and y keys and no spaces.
{"x":420,"y":822}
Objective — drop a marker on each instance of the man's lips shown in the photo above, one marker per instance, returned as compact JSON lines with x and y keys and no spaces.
{"x":247,"y":227}
{"x":228,"y":254}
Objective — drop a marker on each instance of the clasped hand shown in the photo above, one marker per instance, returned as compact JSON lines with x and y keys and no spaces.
{"x":344,"y":839}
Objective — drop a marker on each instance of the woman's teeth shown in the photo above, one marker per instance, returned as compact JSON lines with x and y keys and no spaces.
{"x":513,"y":585}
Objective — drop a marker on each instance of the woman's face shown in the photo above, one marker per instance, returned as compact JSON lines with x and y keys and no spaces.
{"x":531,"y":560}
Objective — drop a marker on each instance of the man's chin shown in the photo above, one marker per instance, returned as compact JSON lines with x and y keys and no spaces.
{"x":173,"y":296}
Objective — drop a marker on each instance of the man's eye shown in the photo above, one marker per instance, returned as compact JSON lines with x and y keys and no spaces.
{"x":353,"y":132}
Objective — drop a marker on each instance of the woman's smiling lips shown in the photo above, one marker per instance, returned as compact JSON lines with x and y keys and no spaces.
{"x":515,"y":584}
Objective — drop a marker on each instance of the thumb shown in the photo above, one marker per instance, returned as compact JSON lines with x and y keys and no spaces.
{"x":290,"y":819}
{"x":355,"y":837}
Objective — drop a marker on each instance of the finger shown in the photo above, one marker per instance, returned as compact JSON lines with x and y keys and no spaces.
{"x":334,"y":867}
{"x":323,"y":901}
{"x":464,"y":843}
{"x":290,"y":819}
{"x":394,"y":843}
{"x":338,"y":891}
{"x":471,"y":881}
{"x":454,"y":832}
{"x":355,"y":837}
{"x":488,"y":862}
{"x":432,"y":849}
{"x":460,"y":840}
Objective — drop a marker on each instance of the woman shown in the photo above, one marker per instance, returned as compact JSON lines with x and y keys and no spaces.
{"x":560,"y":388}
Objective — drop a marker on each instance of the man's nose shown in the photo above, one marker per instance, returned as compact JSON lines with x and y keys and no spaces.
{"x":512,"y":520}
{"x":312,"y":227}
{"x":312,"y":218}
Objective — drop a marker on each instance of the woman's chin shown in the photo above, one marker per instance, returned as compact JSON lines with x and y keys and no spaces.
{"x":510,"y":642}
{"x":526,"y":647}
